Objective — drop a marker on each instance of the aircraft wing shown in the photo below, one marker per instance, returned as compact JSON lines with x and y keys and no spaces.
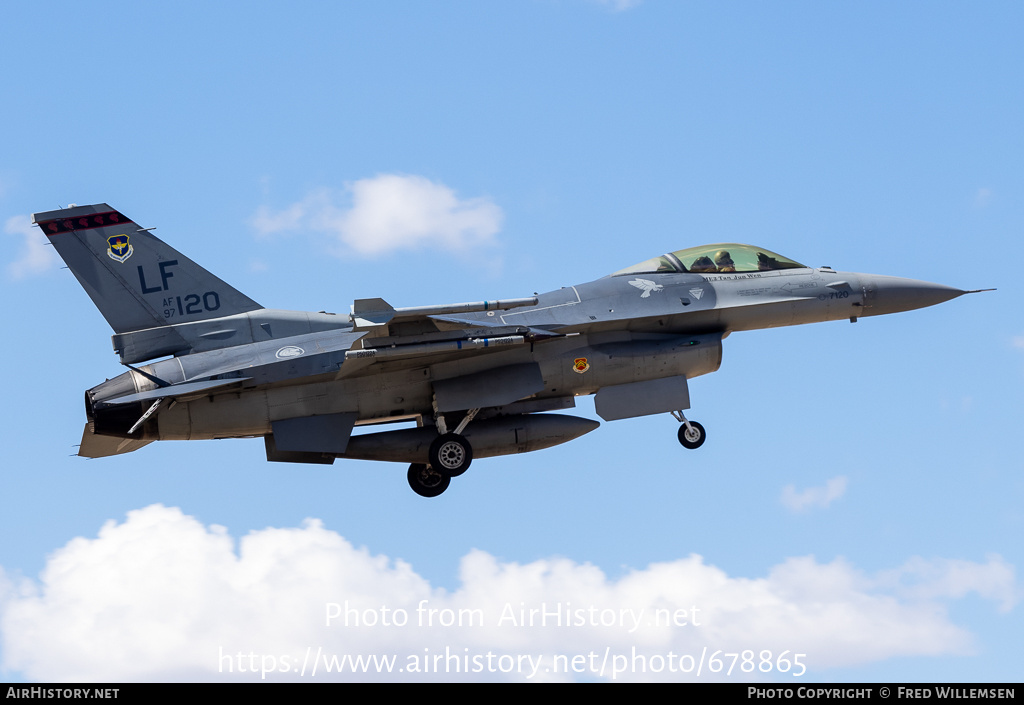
{"x":436,"y":331}
{"x":368,"y":314}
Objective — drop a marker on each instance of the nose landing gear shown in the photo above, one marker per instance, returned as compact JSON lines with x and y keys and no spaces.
{"x":691,"y":434}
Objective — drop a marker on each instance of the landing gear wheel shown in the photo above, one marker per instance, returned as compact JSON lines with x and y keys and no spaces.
{"x":451,"y":453}
{"x":427,"y":482}
{"x":692,"y":437}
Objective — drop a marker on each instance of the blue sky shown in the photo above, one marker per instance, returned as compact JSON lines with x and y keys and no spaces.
{"x":859,"y":497}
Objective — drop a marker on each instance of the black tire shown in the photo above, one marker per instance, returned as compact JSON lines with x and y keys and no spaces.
{"x":451,"y":454}
{"x":693,"y":439}
{"x":427,"y":482}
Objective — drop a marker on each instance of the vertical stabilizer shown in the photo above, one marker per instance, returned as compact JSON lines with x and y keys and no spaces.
{"x":136,"y":280}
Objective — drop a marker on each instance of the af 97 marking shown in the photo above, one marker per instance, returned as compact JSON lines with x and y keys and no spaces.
{"x":191,"y":304}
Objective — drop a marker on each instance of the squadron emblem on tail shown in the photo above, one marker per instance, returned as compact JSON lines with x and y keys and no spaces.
{"x":118,"y":248}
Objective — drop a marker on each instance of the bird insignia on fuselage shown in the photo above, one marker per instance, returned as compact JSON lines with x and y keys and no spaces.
{"x":646,"y":286}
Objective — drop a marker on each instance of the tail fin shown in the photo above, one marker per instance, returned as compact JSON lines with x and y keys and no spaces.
{"x":136,"y":280}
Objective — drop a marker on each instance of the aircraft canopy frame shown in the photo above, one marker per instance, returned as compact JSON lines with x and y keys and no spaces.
{"x":722,"y":258}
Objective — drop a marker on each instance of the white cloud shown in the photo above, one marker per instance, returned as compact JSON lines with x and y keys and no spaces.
{"x":953,"y":579}
{"x":1018,"y":342}
{"x":162,"y":597}
{"x":389,"y":213}
{"x":814,"y":496}
{"x":36,"y":256}
{"x":268,"y":222}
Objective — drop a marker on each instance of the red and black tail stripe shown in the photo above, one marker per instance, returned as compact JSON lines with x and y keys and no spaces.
{"x":83,"y":222}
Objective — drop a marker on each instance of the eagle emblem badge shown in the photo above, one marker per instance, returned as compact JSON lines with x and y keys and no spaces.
{"x":118,"y":248}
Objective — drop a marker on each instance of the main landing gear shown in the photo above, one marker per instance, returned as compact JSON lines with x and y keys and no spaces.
{"x":691,"y":434}
{"x":451,"y":453}
{"x":427,"y":482}
{"x":449,"y":456}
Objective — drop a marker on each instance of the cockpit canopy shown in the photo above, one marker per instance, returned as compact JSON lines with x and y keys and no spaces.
{"x":723,"y":258}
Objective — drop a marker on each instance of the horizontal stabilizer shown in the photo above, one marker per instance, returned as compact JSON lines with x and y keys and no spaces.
{"x":176,"y":390}
{"x":96,"y":446}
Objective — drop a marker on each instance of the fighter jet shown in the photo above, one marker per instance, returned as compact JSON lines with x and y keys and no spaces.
{"x":471,"y":380}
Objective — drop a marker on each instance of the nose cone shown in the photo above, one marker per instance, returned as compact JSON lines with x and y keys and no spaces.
{"x":894,"y":294}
